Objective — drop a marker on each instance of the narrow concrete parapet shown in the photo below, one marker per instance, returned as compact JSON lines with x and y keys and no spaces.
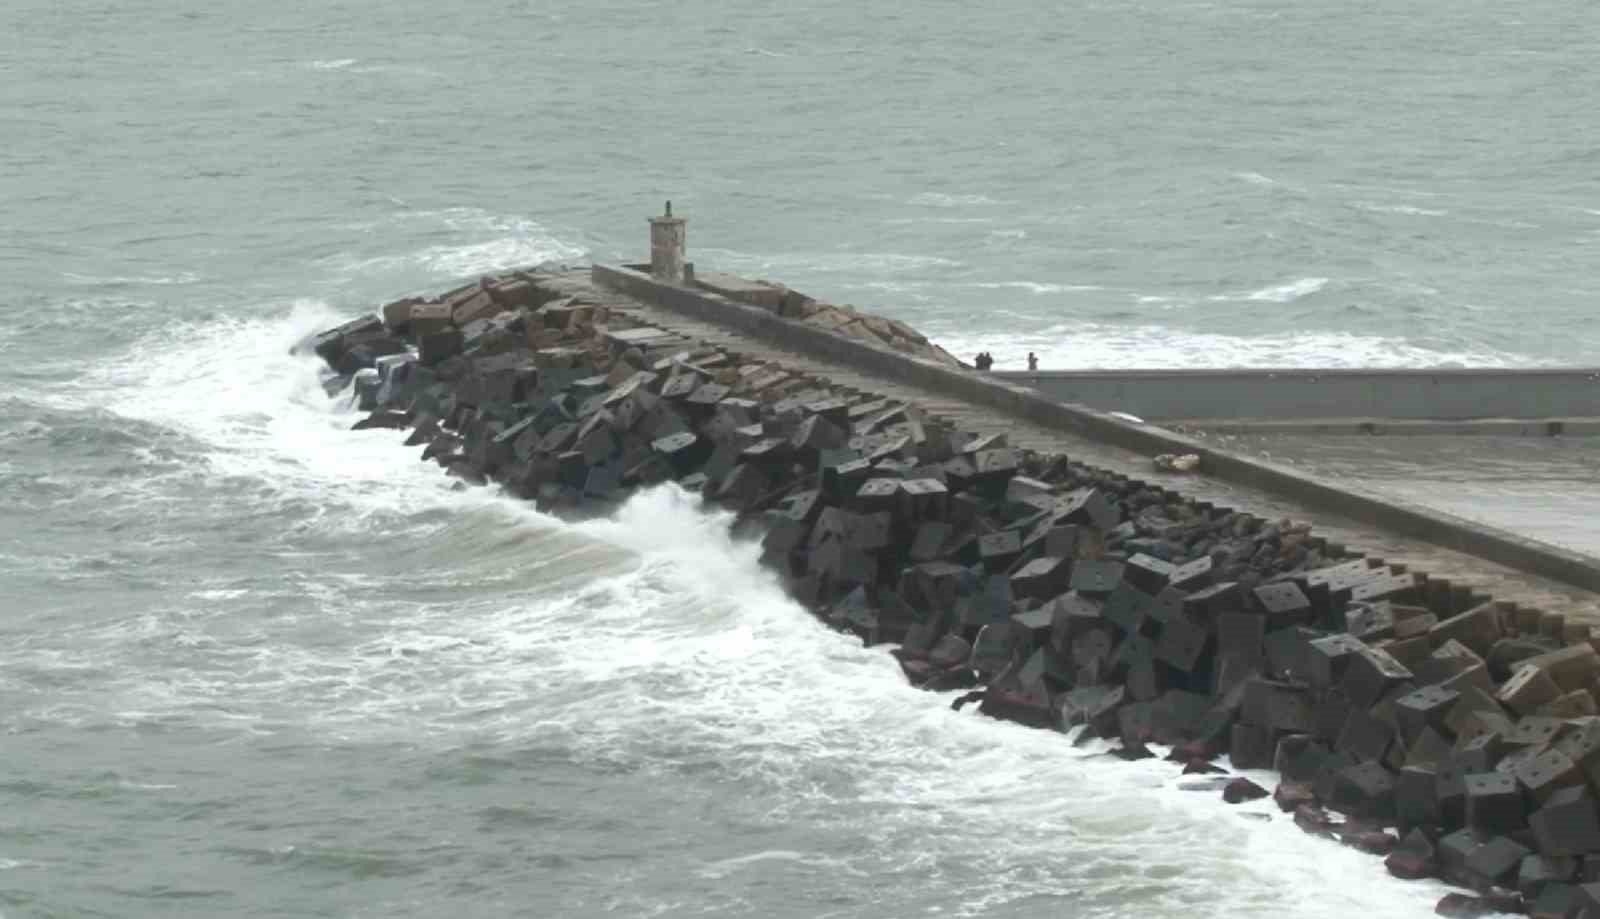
{"x":1297,"y":394}
{"x":1385,"y":513}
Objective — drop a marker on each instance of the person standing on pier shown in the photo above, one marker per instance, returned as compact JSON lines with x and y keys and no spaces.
{"x":1033,"y":361}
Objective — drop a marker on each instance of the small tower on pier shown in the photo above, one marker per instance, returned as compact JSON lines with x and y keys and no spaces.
{"x":668,"y":239}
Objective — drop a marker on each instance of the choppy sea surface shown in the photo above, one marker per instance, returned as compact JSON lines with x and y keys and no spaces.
{"x":254,"y":665}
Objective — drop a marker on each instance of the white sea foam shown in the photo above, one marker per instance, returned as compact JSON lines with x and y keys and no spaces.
{"x":1287,"y":293}
{"x":156,"y":280}
{"x":487,"y":242}
{"x":1402,"y":209}
{"x":940,"y":199}
{"x":1036,"y":287}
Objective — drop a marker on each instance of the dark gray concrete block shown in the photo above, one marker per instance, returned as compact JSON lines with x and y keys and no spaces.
{"x":1494,"y":803}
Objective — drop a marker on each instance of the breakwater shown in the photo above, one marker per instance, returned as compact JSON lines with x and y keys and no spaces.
{"x":1450,"y":732}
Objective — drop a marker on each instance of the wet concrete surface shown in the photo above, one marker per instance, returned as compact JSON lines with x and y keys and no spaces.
{"x":1547,"y":488}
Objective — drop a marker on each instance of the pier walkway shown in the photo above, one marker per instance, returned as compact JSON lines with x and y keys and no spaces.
{"x":690,"y":317}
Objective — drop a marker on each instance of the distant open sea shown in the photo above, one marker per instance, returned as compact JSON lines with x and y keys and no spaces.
{"x":254,"y":665}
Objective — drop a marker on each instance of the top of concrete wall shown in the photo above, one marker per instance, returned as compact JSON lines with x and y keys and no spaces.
{"x":1385,"y":513}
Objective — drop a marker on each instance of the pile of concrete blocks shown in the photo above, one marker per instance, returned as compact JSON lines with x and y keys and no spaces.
{"x":1407,"y":716}
{"x":847,"y":321}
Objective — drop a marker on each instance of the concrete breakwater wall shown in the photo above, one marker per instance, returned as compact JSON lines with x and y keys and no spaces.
{"x":1452,"y":733}
{"x":1566,"y":398}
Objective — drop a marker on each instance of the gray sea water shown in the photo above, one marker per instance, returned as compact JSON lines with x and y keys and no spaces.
{"x":254,"y":665}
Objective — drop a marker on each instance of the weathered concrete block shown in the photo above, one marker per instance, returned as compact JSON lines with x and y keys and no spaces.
{"x":1089,"y":506}
{"x":1284,"y":602}
{"x":1074,"y":542}
{"x":1567,"y":823}
{"x":1207,"y":603}
{"x":1576,"y":704}
{"x":999,"y":550}
{"x":1127,"y":608}
{"x":1147,"y":574}
{"x":1539,"y":871}
{"x":1533,"y":731}
{"x":434,"y":348}
{"x":1365,"y":736}
{"x":1096,"y":578}
{"x":1555,"y":901}
{"x":1429,"y":706}
{"x":1370,"y":623}
{"x":1428,"y":748}
{"x":1192,"y":576}
{"x":1496,"y":861}
{"x":1527,"y":690}
{"x":1416,"y":801}
{"x":1370,"y":674}
{"x":1181,"y":644}
{"x":1448,"y":660}
{"x":1240,"y":637}
{"x":1042,"y":578}
{"x":993,"y":649}
{"x":1494,"y":803}
{"x":1477,"y":628}
{"x":1547,"y":772}
{"x":1252,"y":746}
{"x":1279,"y":706}
{"x":1410,"y":652}
{"x":1581,"y":744}
{"x":1574,"y":667}
{"x":1299,"y":757}
{"x":1455,"y":848}
{"x":1327,"y":658}
{"x":1364,"y":790}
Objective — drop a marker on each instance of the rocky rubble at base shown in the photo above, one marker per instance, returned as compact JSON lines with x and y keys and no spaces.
{"x":1452,"y":734}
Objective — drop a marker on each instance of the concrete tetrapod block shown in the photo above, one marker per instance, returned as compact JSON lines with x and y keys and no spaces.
{"x":1327,"y":658}
{"x":1494,"y":803}
{"x":1365,"y":737}
{"x":1555,"y":901}
{"x":1539,"y":871}
{"x":1477,"y":628}
{"x":1096,"y":578}
{"x":1251,"y":746}
{"x":1181,"y":645}
{"x":1581,"y":744}
{"x":1415,"y":796}
{"x":1041,"y":578}
{"x":1527,"y":690}
{"x":1147,"y":574}
{"x":1370,"y":675}
{"x":1546,"y":773}
{"x":1425,"y":707}
{"x":1279,"y":706}
{"x":1127,"y":607}
{"x":1364,"y":790}
{"x":1567,"y":824}
{"x":1495,"y":861}
{"x":1572,"y":668}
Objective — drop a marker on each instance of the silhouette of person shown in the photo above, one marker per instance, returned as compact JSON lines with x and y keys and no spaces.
{"x":1033,"y":361}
